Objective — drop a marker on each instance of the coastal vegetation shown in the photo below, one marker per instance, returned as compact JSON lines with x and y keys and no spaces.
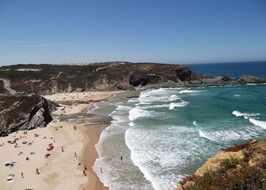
{"x":247,"y":171}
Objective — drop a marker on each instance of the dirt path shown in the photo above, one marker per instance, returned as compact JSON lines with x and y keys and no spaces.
{"x":7,"y":86}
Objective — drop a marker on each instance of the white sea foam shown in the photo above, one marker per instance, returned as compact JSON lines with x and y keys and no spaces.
{"x":258,"y":123}
{"x":133,"y":100}
{"x":206,"y":136}
{"x":176,"y":105}
{"x":251,"y":84}
{"x":149,"y":153}
{"x":245,"y":115}
{"x":195,"y":123}
{"x":155,"y":106}
{"x":138,"y":112}
{"x":231,"y":135}
{"x":117,"y":119}
{"x":149,"y":93}
{"x":131,"y":124}
{"x":123,"y":108}
{"x":152,"y":99}
{"x":188,"y":91}
{"x":174,"y":97}
{"x":158,"y":95}
{"x":237,"y":95}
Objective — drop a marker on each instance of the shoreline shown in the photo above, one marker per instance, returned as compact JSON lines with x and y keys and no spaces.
{"x":89,"y":154}
{"x":91,"y":131}
{"x":73,"y":134}
{"x":94,"y":133}
{"x":88,"y":157}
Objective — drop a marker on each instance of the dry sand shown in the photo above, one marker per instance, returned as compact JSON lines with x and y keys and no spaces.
{"x":73,"y":136}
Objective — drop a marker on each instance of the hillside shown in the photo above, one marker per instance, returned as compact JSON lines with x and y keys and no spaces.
{"x":48,"y":79}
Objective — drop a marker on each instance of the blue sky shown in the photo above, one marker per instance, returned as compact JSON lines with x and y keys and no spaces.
{"x":173,"y":31}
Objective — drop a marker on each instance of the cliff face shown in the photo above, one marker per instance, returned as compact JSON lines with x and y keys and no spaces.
{"x":48,"y":79}
{"x":24,"y":112}
{"x":239,"y":167}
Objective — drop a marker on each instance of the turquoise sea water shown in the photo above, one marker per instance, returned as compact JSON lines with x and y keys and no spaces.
{"x":166,"y":134}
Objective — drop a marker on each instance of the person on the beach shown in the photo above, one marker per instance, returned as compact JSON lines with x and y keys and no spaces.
{"x":37,"y":171}
{"x":121,"y":157}
{"x":62,"y":148}
{"x":22,"y":175}
{"x":84,"y":173}
{"x":101,"y":170}
{"x":75,"y":127}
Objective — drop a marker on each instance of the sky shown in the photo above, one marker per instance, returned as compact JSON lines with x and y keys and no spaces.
{"x":169,"y":31}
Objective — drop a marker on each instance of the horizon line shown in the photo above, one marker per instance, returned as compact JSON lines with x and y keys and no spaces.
{"x":117,"y":61}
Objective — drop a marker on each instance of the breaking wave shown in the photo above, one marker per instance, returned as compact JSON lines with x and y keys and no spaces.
{"x":245,"y":115}
{"x":230,"y":136}
{"x":176,"y":105}
{"x":258,"y":123}
{"x":188,"y":91}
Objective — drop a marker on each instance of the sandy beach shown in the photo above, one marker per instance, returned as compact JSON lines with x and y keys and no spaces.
{"x":59,"y":156}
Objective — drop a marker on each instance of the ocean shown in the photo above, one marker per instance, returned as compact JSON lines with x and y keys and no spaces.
{"x":234,"y":70}
{"x":165,"y":134}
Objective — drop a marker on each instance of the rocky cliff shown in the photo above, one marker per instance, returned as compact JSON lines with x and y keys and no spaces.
{"x":239,"y":167}
{"x":48,"y":79}
{"x":24,"y":112}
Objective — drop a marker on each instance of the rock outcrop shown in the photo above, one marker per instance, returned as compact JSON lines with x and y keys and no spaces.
{"x":251,"y":79}
{"x":24,"y":112}
{"x":183,"y":73}
{"x":2,"y":88}
{"x":138,"y":79}
{"x":239,"y":167}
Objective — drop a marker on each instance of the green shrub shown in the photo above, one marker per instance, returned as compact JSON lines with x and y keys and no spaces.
{"x":248,"y":178}
{"x":229,"y":163}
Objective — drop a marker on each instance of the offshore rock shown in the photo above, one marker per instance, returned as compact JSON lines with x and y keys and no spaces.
{"x":251,"y":79}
